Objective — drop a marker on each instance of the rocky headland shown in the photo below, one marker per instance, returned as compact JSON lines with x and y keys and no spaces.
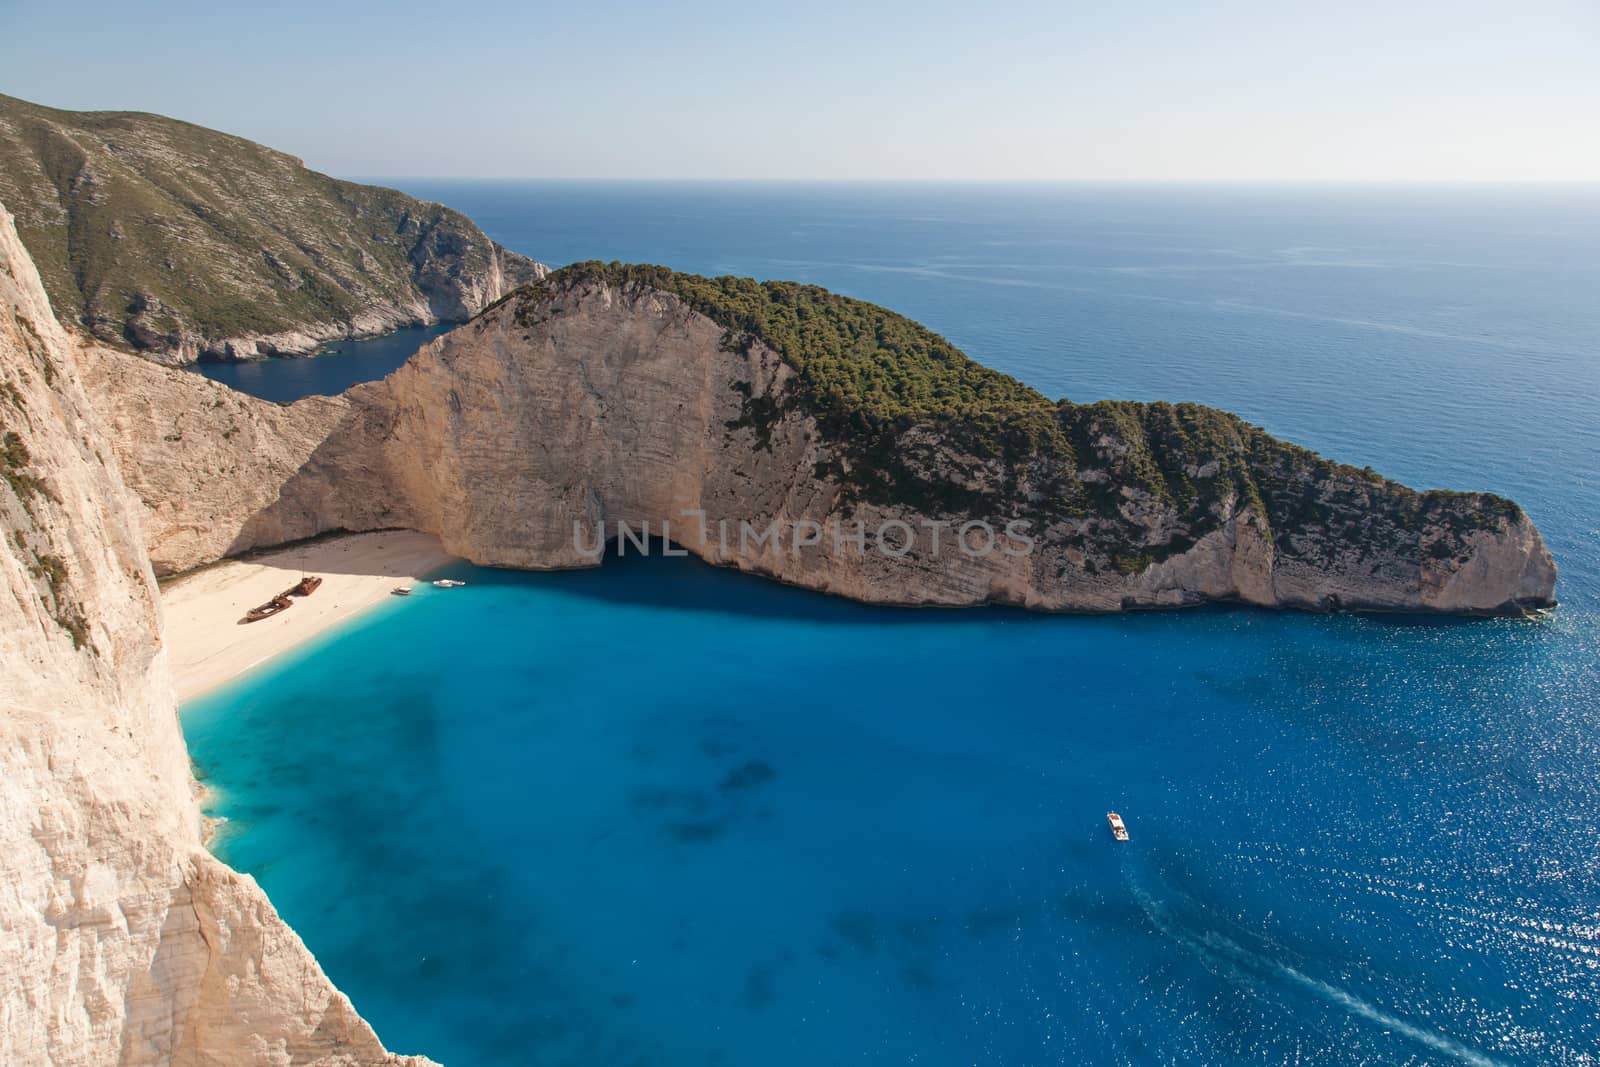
{"x":606,"y":395}
{"x":182,"y":243}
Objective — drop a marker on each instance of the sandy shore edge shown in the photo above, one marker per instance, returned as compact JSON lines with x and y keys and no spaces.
{"x":207,"y":646}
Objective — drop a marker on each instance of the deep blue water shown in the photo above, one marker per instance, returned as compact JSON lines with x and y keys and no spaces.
{"x":662,"y":814}
{"x":334,"y":369}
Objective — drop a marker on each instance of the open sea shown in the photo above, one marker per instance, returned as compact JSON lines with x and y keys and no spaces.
{"x":661,"y":814}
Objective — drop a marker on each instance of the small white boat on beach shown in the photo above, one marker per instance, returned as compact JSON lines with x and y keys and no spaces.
{"x":1119,"y":829}
{"x":448,"y":583}
{"x":400,"y":590}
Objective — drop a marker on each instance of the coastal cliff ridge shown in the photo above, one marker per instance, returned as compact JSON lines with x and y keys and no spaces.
{"x":183,"y":243}
{"x":607,"y":393}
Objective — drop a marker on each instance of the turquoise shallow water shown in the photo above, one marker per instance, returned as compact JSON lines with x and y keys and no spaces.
{"x":658,"y":813}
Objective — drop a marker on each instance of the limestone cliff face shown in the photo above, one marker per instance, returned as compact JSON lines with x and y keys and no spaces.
{"x":215,"y":472}
{"x":122,"y":941}
{"x":577,"y":405}
{"x":572,"y":405}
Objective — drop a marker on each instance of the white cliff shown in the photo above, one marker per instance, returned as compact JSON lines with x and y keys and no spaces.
{"x":122,"y":940}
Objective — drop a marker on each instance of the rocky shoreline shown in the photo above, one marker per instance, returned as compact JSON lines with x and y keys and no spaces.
{"x":303,"y":342}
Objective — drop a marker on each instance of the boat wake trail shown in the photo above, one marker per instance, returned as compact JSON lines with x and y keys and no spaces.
{"x":1244,"y":965}
{"x":1357,"y":1006}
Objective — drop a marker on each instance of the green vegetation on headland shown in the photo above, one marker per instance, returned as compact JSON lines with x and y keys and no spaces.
{"x":159,"y":234}
{"x":865,"y":372}
{"x":854,"y":356}
{"x":897,"y":403}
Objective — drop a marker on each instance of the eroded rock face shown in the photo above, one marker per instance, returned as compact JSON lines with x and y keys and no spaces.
{"x":570,"y":406}
{"x":216,"y":472}
{"x":122,"y":941}
{"x":515,"y":437}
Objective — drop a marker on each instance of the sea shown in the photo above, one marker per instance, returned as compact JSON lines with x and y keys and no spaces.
{"x":662,"y":814}
{"x":334,"y":368}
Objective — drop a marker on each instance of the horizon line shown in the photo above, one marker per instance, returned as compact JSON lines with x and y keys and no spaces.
{"x":1482,"y":183}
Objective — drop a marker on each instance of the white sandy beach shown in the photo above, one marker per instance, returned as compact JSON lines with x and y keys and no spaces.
{"x":205,"y":640}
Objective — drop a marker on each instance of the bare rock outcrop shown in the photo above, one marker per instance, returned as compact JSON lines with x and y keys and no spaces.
{"x":601,"y":397}
{"x":122,"y":940}
{"x":215,"y":472}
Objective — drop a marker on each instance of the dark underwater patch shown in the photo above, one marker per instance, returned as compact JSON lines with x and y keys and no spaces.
{"x":858,"y":929}
{"x":758,"y":994}
{"x":748,"y":775}
{"x":698,"y":831}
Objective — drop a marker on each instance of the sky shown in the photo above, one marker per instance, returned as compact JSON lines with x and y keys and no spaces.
{"x":1147,"y":90}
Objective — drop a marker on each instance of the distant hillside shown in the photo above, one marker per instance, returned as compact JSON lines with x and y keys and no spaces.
{"x":183,"y":242}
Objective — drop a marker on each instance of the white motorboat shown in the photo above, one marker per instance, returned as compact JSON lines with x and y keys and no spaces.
{"x":1119,"y":829}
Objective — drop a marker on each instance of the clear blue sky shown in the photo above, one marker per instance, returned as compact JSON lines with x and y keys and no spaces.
{"x":1337,"y":90}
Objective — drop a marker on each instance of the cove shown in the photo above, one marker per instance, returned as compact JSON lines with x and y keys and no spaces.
{"x":662,"y":813}
{"x":330,"y":371}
